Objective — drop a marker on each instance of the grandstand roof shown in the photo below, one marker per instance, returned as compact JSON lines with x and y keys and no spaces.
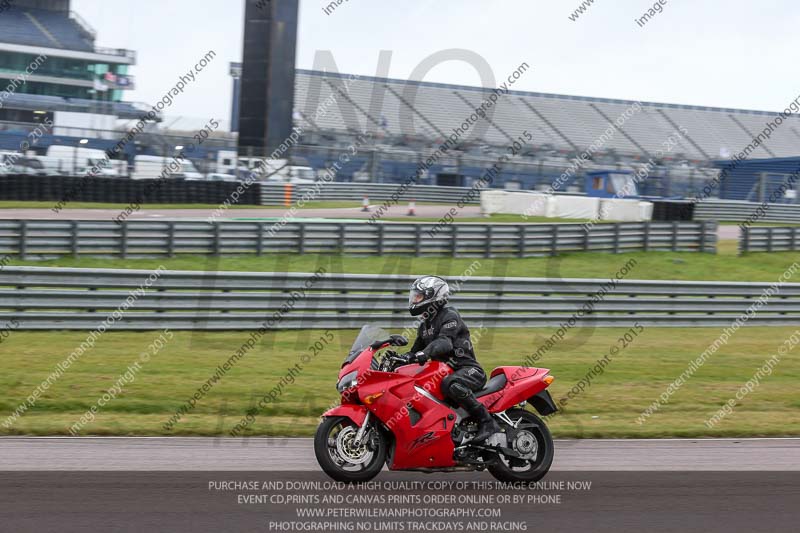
{"x":44,"y":28}
{"x":569,"y":123}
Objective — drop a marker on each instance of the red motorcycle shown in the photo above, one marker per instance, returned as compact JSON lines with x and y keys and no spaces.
{"x":393,"y":412}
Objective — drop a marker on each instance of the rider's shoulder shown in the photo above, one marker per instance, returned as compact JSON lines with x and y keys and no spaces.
{"x":448,"y":314}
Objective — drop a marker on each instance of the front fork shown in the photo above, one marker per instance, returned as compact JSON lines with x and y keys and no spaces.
{"x":362,"y":430}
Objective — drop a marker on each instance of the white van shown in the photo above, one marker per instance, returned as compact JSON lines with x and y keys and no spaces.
{"x":76,"y":160}
{"x":227,"y":161}
{"x":150,"y":167}
{"x":280,"y":171}
{"x":277,"y":171}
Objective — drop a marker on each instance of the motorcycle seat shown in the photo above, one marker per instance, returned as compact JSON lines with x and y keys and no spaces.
{"x":493,"y":385}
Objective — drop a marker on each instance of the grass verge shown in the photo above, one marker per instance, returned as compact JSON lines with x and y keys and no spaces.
{"x":608,"y":408}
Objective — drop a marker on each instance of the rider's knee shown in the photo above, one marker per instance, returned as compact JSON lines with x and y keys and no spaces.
{"x":458,"y":391}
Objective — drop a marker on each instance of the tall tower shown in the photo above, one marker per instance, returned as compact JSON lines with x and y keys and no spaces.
{"x":267,"y":81}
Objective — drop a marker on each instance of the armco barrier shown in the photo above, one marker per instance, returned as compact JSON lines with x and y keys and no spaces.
{"x":139,"y":238}
{"x":738,"y":211}
{"x":79,"y":299}
{"x":769,"y":239}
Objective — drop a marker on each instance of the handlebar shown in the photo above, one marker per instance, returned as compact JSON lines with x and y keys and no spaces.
{"x":391,"y":361}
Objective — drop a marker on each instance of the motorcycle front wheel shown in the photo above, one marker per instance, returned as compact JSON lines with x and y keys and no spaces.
{"x":340,"y":458}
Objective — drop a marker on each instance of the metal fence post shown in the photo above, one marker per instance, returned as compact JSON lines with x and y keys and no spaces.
{"x":616,"y":237}
{"x":341,"y":240}
{"x":646,"y":237}
{"x":123,"y":240}
{"x":260,"y":238}
{"x":587,"y":231}
{"x":23,"y":239}
{"x":74,"y":234}
{"x":171,"y":239}
{"x":793,"y":243}
{"x":554,"y":240}
{"x":523,"y":234}
{"x":381,"y":239}
{"x":770,"y":235}
{"x":703,"y":235}
{"x":675,"y":227}
{"x":301,"y":236}
{"x":454,"y":240}
{"x":217,"y":231}
{"x":488,"y":248}
{"x":417,"y":240}
{"x":744,"y":242}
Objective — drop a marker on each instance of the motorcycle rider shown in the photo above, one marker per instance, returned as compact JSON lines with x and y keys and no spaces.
{"x":443,"y":336}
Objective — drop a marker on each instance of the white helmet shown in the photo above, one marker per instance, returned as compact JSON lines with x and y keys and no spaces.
{"x":426,"y":292}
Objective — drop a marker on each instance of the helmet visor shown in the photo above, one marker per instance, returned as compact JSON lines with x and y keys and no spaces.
{"x":415,"y":297}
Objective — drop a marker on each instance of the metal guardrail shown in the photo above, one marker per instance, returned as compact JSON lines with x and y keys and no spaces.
{"x":275,"y":194}
{"x":769,"y":239}
{"x":738,"y":211}
{"x":138,"y":238}
{"x":80,"y":299}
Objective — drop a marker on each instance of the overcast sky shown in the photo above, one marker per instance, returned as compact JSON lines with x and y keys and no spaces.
{"x":724,"y":53}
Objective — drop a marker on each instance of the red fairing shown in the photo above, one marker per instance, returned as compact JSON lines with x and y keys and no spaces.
{"x":356,"y":413}
{"x":415,"y":389}
{"x":523,"y":382}
{"x":410,"y":405}
{"x":516,"y":373}
{"x":432,"y":373}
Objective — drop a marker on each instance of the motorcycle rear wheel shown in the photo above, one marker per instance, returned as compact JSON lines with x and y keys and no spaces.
{"x":536,"y":468}
{"x":341,"y":460}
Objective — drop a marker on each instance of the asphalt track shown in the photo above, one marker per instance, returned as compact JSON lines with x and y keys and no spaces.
{"x":297,"y":454}
{"x":188,"y":484}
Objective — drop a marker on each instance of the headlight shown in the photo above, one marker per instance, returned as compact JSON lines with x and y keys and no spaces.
{"x":348,"y":381}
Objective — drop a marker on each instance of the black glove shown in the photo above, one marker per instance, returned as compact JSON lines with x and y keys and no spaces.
{"x":421,"y":357}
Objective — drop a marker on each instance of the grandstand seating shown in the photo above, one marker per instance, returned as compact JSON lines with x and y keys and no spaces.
{"x":40,"y":27}
{"x":566,"y":123}
{"x":65,"y":30}
{"x":17,"y":28}
{"x":40,"y":102}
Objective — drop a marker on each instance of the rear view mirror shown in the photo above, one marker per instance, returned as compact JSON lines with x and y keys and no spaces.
{"x":398,"y":340}
{"x":393,"y":340}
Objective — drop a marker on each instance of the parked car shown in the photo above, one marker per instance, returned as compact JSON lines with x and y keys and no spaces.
{"x":15,"y":163}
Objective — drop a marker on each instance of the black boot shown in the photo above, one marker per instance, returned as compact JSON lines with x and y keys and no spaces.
{"x":486,"y":424}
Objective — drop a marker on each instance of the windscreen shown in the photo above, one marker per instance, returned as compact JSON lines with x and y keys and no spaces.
{"x":366,"y":336}
{"x":624,"y":185}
